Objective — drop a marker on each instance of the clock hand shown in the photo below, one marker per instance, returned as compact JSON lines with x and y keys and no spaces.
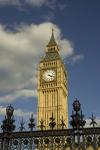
{"x":50,"y":75}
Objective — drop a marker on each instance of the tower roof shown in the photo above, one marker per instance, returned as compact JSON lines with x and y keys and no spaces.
{"x":51,"y":56}
{"x":52,"y":41}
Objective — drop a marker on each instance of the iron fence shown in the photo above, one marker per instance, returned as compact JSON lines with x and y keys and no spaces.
{"x":78,"y":137}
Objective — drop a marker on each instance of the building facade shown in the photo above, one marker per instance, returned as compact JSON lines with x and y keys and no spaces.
{"x":52,"y":86}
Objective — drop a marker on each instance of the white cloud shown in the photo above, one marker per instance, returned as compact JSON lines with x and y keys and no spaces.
{"x":77,"y":58}
{"x":18,"y":94}
{"x":88,"y":122}
{"x":49,"y":16}
{"x":20,"y":52}
{"x":62,"y":6}
{"x":17,"y":112}
{"x":2,"y":110}
{"x":66,"y":47}
{"x":9,"y":2}
{"x":21,"y":113}
{"x":51,"y":4}
{"x":36,"y":2}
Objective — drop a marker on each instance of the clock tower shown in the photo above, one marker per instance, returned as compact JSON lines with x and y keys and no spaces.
{"x":52,"y":87}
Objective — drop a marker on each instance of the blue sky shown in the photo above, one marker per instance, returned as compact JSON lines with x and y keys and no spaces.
{"x":25,"y":29}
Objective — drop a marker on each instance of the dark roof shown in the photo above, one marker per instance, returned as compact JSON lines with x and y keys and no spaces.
{"x":52,"y":41}
{"x":51,"y":56}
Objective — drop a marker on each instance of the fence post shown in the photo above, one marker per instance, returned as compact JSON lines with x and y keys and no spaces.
{"x":7,"y":127}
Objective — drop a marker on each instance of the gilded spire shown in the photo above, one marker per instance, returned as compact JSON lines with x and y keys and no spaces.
{"x":52,"y":41}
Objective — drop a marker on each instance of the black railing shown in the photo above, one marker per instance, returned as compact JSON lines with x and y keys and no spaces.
{"x":78,"y":137}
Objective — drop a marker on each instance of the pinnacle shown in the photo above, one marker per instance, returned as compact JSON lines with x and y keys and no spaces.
{"x":52,"y":41}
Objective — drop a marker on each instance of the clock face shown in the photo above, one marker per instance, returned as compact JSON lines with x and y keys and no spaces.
{"x":49,"y":75}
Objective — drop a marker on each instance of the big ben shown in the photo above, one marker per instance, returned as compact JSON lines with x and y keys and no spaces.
{"x":52,"y":86}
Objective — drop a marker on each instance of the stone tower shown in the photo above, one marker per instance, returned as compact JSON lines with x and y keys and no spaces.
{"x":52,"y":86}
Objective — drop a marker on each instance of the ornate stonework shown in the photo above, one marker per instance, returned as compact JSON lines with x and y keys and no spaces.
{"x":52,"y":87}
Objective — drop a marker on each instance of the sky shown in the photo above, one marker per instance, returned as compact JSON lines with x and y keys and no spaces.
{"x":25,"y":30}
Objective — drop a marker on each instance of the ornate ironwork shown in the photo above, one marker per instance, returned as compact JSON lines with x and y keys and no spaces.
{"x":78,"y":137}
{"x":21,"y":128}
{"x":31,"y":124}
{"x":41,"y":126}
{"x":93,"y":122}
{"x":52,"y":123}
{"x":63,"y":125}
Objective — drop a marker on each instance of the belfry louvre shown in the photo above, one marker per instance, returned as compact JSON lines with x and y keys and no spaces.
{"x":51,"y":131}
